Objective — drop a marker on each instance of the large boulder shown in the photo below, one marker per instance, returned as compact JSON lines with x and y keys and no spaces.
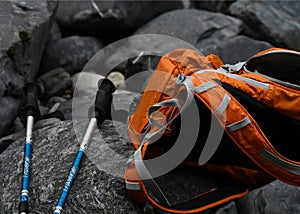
{"x":70,"y":53}
{"x":276,"y":197}
{"x":24,"y":28}
{"x":274,"y":21}
{"x":109,"y":19}
{"x":96,"y":189}
{"x":237,"y":49}
{"x":220,"y":6}
{"x":199,"y":28}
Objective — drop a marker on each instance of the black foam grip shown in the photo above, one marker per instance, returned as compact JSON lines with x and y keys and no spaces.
{"x":23,"y":207}
{"x":31,"y":106}
{"x":101,"y":109}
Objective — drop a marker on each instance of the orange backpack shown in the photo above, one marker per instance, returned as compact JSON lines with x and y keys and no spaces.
{"x":237,"y":125}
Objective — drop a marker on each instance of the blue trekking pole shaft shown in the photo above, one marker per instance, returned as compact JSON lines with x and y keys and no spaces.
{"x":70,"y":180}
{"x":97,"y":114}
{"x":30,"y":112}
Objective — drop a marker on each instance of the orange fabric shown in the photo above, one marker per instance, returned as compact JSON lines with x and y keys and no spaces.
{"x":160,"y":86}
{"x":215,"y":61}
{"x":284,"y":99}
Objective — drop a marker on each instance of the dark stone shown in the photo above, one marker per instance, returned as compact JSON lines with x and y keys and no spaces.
{"x":54,"y":83}
{"x":117,"y":19}
{"x":70,"y":53}
{"x":9,"y":107}
{"x":55,"y":32}
{"x":24,"y":28}
{"x":274,"y":21}
{"x":276,"y":197}
{"x":220,"y":6}
{"x":199,"y":28}
{"x":236,"y":49}
{"x":229,"y":208}
{"x":53,"y":100}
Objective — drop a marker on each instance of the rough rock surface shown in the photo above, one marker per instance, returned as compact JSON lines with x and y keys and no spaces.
{"x":199,"y":28}
{"x":70,"y":53}
{"x":220,"y":6}
{"x":54,"y":83}
{"x":54,"y":148}
{"x":24,"y":26}
{"x":275,"y":21}
{"x":236,"y":49}
{"x":276,"y":197}
{"x":109,"y":19}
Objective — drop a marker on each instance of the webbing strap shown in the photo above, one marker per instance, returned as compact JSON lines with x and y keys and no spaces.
{"x":205,"y":87}
{"x":238,"y":125}
{"x":223,"y":105}
{"x":256,"y":83}
{"x":132,"y":185}
{"x":142,"y":171}
{"x":293,"y":168}
{"x":174,"y":102}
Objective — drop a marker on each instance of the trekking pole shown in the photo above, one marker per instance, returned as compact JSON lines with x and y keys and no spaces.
{"x":31,"y":112}
{"x":97,"y":114}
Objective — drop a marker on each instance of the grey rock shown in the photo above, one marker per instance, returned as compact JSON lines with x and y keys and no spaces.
{"x":236,"y":49}
{"x":55,"y":32}
{"x":199,"y":28}
{"x":220,"y":6}
{"x":81,"y":104}
{"x":17,"y":125}
{"x":274,"y":21}
{"x":24,"y":28}
{"x":229,"y":208}
{"x":53,"y":100}
{"x":43,"y":110}
{"x":85,"y":83}
{"x":276,"y":197}
{"x":9,"y":107}
{"x":99,"y":186}
{"x":70,"y":53}
{"x":114,"y":19}
{"x":54,"y":83}
{"x":9,"y":139}
{"x":44,"y":123}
